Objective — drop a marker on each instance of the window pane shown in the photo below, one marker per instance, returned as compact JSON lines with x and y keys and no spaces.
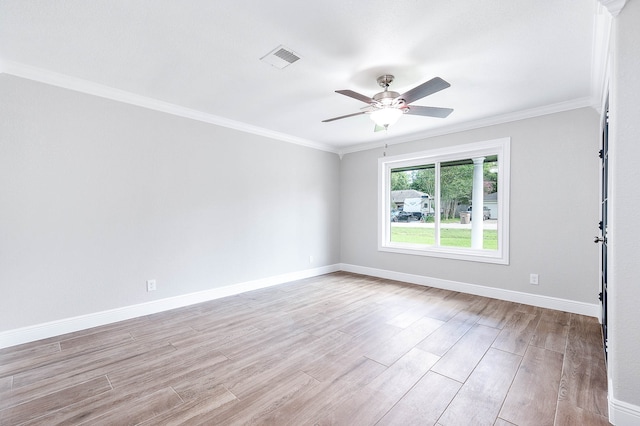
{"x":457,"y":198}
{"x":456,"y":188}
{"x":412,"y":205}
{"x":490,"y":241}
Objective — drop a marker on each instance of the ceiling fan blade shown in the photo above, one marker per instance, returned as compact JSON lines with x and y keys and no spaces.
{"x":343,"y":116}
{"x":425,"y":89}
{"x":356,"y":95}
{"x":429,"y":111}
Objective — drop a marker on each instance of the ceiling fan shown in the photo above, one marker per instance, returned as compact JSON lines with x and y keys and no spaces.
{"x":386,"y":107}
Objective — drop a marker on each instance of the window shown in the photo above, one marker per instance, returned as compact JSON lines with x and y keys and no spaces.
{"x":451,"y":202}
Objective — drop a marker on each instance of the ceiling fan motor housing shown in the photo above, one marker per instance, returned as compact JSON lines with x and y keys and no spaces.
{"x":387,"y":94}
{"x":388,"y":99}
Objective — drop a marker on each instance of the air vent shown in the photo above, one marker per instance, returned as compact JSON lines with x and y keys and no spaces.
{"x":280,"y":57}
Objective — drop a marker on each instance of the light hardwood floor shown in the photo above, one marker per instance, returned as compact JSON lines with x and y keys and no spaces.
{"x":341,"y":349}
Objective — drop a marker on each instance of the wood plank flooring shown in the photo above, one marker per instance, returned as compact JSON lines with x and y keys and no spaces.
{"x":340,"y":349}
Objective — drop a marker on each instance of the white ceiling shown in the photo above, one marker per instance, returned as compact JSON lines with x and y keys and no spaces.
{"x":200,"y":58}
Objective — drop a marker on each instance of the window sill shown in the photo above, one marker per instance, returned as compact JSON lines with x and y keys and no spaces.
{"x":484,"y":256}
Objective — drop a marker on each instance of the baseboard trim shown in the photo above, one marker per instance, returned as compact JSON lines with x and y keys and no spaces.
{"x":622,"y":413}
{"x":592,"y":310}
{"x":69,"y":325}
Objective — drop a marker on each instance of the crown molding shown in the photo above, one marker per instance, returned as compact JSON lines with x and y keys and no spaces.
{"x":88,"y":87}
{"x":476,"y":124}
{"x":613,"y":6}
{"x":107,"y":92}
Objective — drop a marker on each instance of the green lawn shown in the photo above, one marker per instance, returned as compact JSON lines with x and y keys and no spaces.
{"x":448,"y":237}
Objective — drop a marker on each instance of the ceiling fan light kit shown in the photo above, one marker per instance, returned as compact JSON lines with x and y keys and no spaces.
{"x":386,"y":107}
{"x":386,"y":116}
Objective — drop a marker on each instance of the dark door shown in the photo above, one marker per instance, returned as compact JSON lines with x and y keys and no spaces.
{"x":604,"y":203}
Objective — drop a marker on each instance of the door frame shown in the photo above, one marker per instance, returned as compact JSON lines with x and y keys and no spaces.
{"x":604,"y":220}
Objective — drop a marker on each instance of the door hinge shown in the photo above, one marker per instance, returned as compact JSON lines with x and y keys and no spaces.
{"x":600,"y":296}
{"x":601,"y":153}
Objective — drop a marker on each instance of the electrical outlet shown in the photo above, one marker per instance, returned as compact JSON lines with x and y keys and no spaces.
{"x":533,"y":279}
{"x":151,"y":285}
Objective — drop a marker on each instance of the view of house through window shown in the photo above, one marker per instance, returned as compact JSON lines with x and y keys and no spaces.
{"x":444,"y":203}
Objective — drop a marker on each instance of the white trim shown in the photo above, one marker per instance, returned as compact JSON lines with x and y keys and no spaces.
{"x":477,"y":124}
{"x":468,"y":254}
{"x":548,"y":302}
{"x":103,"y":91}
{"x":600,"y":56}
{"x":85,"y":86}
{"x":613,"y":6}
{"x":68,"y":325}
{"x":622,"y":413}
{"x":501,"y":147}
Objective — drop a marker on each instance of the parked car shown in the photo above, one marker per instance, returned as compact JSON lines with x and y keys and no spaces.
{"x":486,"y":213}
{"x":400,"y":216}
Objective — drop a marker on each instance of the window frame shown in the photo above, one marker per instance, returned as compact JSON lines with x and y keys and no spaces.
{"x":500,"y":147}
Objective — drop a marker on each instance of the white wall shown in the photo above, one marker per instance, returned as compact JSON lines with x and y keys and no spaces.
{"x":97,"y":196}
{"x":553,"y":211}
{"x":624,"y":235}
